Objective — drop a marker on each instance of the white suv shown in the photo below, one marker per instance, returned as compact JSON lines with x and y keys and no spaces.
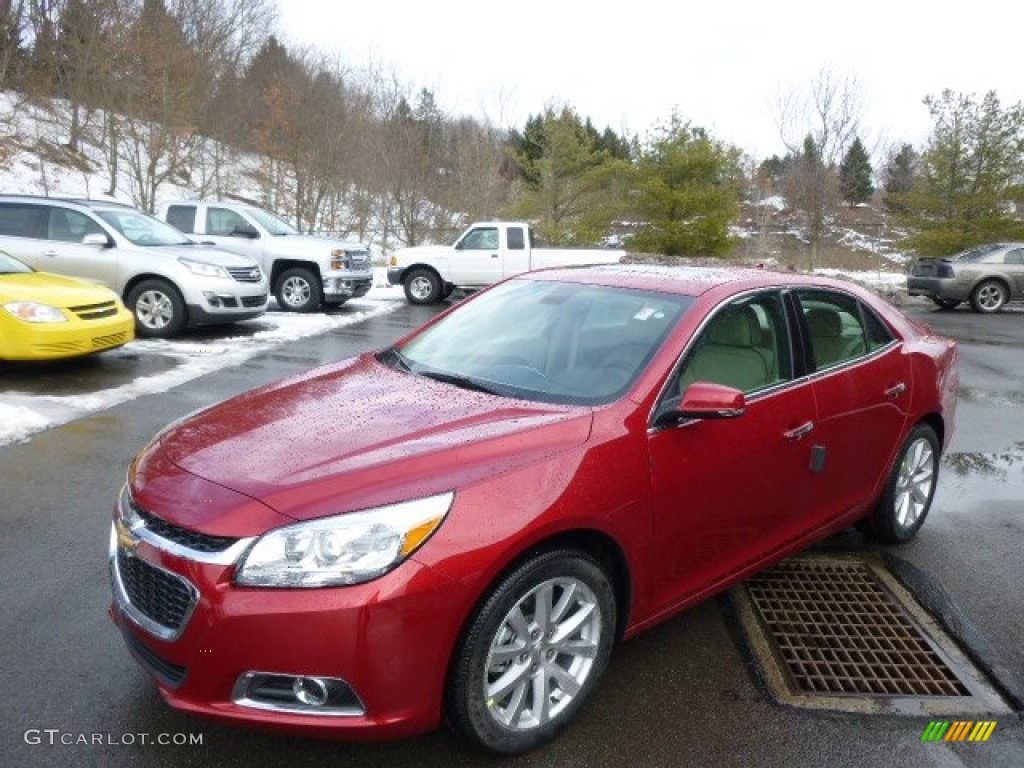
{"x":166,"y":279}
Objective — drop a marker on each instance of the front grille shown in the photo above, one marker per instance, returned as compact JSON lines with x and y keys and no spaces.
{"x":112,"y":340}
{"x":95,"y":311}
{"x":162,"y":597}
{"x":200,"y":542}
{"x":245,"y":274}
{"x":254,"y":301}
{"x":169,"y":673}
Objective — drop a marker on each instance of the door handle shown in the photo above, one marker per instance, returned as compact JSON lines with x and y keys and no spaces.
{"x":51,"y":253}
{"x":797,"y":432}
{"x":494,"y":255}
{"x":896,"y":390}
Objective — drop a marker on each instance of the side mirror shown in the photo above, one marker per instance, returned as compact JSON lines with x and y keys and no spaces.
{"x":245,"y":230}
{"x":703,"y":400}
{"x":97,"y":238}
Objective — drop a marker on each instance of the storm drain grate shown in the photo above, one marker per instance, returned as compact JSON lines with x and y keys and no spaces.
{"x":839,"y":631}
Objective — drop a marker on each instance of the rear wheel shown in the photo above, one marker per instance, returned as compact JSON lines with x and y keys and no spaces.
{"x":298,"y":290}
{"x":989,"y":296}
{"x":909,"y":490}
{"x":158,"y":308}
{"x":422,"y":286}
{"x":533,"y":653}
{"x":946,"y":303}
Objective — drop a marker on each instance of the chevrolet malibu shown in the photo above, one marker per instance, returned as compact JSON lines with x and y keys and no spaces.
{"x":459,"y":527}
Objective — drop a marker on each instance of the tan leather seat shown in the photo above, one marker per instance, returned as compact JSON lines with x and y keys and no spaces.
{"x":730,"y":356}
{"x":827,"y":340}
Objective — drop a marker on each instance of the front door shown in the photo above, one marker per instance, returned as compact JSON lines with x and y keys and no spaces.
{"x":727,"y":492}
{"x":476,"y":259}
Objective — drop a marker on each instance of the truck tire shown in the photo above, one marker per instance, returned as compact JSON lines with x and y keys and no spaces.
{"x":422,"y":286}
{"x":158,"y":308}
{"x":298,"y":290}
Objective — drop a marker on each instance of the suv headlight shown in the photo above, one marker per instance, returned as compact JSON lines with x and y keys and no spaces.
{"x":203,"y":269}
{"x":344,"y":549}
{"x":34,"y":312}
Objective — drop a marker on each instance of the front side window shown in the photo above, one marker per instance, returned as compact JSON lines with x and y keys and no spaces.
{"x":223,"y":222}
{"x":835,"y":328}
{"x":70,"y":226}
{"x":141,"y":229}
{"x":480,"y":239}
{"x":745,"y":345}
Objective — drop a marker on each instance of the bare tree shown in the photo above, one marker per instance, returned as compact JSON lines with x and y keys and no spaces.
{"x":830,"y":111}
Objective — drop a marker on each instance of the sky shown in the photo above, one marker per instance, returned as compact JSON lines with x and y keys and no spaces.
{"x":722,"y":65}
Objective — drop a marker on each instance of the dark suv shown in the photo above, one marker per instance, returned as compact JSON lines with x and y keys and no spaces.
{"x":988,"y":276}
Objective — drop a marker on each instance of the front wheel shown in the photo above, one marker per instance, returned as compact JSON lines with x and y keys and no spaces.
{"x":533,"y":653}
{"x":989,"y":296}
{"x":158,"y":308}
{"x":298,"y":290}
{"x":422,"y":286}
{"x":909,"y":490}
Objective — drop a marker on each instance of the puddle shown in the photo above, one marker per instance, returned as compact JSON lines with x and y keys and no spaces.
{"x":81,"y":376}
{"x":987,"y":397}
{"x":993,"y":476}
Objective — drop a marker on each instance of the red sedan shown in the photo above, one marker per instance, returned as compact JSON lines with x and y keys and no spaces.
{"x":460,"y":526}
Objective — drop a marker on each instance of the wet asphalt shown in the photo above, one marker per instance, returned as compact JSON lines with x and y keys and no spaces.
{"x":683,"y":694}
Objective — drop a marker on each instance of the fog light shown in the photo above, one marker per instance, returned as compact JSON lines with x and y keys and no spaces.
{"x":311,"y":691}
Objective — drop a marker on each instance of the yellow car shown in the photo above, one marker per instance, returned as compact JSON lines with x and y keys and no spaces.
{"x":45,"y":316}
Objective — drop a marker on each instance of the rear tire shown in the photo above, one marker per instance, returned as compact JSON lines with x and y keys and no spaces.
{"x":989,"y":296}
{"x":158,"y":308}
{"x":422,"y":286}
{"x":298,"y":290}
{"x":532,"y":653}
{"x":908,"y":492}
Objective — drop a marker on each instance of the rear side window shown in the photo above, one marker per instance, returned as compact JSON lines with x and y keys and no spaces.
{"x":1016,"y":256}
{"x":839,"y":327}
{"x":182,"y":217}
{"x":516,"y":240}
{"x":19,"y":220}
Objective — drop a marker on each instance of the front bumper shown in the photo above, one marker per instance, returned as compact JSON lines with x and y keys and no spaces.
{"x":51,"y":341}
{"x":388,"y":640}
{"x":340,"y":288}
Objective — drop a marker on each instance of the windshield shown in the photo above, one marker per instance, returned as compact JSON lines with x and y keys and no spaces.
{"x":546,"y":341}
{"x":11,"y":266}
{"x":271,"y":223}
{"x":141,"y":229}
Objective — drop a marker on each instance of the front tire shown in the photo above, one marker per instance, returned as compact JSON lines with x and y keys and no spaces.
{"x":298,"y":290}
{"x":989,"y":296}
{"x":422,"y":286}
{"x":158,"y":307}
{"x":533,"y":653}
{"x":908,"y":492}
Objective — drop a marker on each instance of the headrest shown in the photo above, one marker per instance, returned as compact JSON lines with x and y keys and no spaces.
{"x":736,"y":327}
{"x":824,"y":323}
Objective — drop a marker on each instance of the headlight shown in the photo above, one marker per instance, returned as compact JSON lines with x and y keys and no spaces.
{"x":205,"y":270}
{"x":338,"y":258}
{"x":345,"y":549}
{"x":34,"y":312}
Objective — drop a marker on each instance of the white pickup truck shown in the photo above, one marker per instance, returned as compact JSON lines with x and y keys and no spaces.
{"x":304,"y":271}
{"x":485,"y":253}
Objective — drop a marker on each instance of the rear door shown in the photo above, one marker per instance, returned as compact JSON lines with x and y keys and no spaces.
{"x":22,"y":229}
{"x":862,"y":388}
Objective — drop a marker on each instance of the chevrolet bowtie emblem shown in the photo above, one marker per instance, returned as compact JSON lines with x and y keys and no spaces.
{"x":127,"y":541}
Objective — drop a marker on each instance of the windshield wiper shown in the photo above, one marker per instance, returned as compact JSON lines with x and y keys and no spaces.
{"x":461,"y":381}
{"x":393,"y":358}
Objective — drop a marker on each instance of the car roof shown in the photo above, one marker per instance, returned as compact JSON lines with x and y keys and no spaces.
{"x":77,"y":201}
{"x":683,"y":280}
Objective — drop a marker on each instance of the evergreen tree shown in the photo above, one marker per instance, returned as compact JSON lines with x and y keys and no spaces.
{"x":686,"y":192}
{"x":855,"y":174}
{"x":898,"y":178}
{"x":569,"y":178}
{"x":967,"y":174}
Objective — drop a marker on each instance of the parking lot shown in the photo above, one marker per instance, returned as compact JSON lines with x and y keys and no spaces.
{"x":685,"y":693}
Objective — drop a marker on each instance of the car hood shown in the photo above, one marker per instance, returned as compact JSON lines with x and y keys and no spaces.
{"x":422,"y":252}
{"x":56,"y":290}
{"x":358,"y":434}
{"x":310,"y":246}
{"x":205,"y":253}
